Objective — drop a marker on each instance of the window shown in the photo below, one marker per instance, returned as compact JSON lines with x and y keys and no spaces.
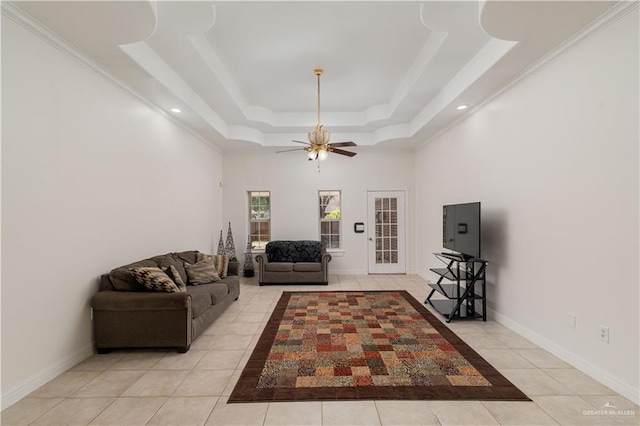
{"x":330,"y":218}
{"x":259,"y":218}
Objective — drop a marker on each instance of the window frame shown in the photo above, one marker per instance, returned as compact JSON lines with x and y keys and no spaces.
{"x":331,"y":235}
{"x":261,"y":221}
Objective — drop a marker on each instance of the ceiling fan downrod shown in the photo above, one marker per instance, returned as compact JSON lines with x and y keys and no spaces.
{"x":319,"y":136}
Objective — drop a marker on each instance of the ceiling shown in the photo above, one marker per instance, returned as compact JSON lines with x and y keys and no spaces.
{"x":242,"y":72}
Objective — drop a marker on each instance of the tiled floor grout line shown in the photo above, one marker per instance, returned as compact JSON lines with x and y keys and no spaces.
{"x":542,"y":402}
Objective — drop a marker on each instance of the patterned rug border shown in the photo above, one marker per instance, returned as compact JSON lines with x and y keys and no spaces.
{"x":246,"y":389}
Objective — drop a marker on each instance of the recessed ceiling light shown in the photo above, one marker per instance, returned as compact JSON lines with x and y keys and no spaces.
{"x":176,"y":110}
{"x":461,"y":107}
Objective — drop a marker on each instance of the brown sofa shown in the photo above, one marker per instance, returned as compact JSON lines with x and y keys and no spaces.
{"x":125,"y":315}
{"x":294,"y":262}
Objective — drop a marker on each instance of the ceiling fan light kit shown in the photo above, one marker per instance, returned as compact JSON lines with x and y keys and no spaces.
{"x":319,"y":146}
{"x":323,"y":154}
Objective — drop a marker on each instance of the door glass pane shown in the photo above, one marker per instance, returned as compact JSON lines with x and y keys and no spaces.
{"x":386,"y":230}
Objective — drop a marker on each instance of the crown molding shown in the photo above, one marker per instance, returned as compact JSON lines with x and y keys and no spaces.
{"x":609,"y":17}
{"x":13,"y":12}
{"x":618,"y":11}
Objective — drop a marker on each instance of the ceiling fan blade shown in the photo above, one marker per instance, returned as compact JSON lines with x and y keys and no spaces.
{"x":288,"y":150}
{"x":306,"y":143}
{"x":343,"y":152}
{"x":343,"y":144}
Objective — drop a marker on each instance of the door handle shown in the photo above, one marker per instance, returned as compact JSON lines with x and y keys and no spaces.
{"x":370,"y":239}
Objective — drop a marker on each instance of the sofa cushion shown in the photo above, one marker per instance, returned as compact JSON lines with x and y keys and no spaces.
{"x":202,"y":272}
{"x":200,"y":302}
{"x":294,"y":251}
{"x":187,"y":256}
{"x":203,"y":256}
{"x":222,"y":264}
{"x":173,"y":273}
{"x":307,"y":266}
{"x":154,"y":279}
{"x":170,"y":259}
{"x":217,"y":291}
{"x":279,"y":267}
{"x":233,"y":284}
{"x":123,"y":280}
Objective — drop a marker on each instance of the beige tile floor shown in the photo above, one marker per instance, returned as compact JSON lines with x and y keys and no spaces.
{"x":158,"y":387}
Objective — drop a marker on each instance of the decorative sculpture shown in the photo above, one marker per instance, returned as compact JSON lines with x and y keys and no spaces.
{"x":220,"y":245}
{"x":248,"y":260}
{"x":230,"y":249}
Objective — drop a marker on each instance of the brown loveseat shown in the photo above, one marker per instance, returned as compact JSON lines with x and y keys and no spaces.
{"x":126,"y":315}
{"x":293,"y":262}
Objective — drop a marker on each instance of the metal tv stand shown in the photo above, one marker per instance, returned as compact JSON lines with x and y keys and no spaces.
{"x":463,"y":284}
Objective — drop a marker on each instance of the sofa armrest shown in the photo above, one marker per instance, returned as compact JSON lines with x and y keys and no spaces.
{"x":137,"y":319}
{"x":326,"y":258}
{"x":139,"y":301}
{"x":262,"y":260}
{"x":234,"y":268}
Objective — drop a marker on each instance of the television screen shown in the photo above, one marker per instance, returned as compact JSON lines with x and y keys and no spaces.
{"x":461,"y":228}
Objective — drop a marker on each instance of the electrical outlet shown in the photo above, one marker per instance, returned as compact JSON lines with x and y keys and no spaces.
{"x":571,"y":320}
{"x":604,"y":333}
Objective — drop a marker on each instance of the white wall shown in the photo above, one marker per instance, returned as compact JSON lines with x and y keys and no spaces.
{"x":91,"y":179}
{"x":554,"y":161}
{"x":294,"y":183}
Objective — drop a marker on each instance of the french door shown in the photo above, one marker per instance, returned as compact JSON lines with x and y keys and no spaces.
{"x":386,"y":232}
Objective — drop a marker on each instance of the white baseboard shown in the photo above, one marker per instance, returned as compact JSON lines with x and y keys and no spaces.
{"x":21,"y":390}
{"x":575,"y":360}
{"x":348,"y":272}
{"x":45,"y":375}
{"x":361,"y":272}
{"x":423,"y":275}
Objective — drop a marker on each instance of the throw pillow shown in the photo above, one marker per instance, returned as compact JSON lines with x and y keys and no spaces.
{"x":202,"y":256}
{"x":173,"y":273}
{"x":222,"y":264}
{"x":153,"y":279}
{"x":202,"y":272}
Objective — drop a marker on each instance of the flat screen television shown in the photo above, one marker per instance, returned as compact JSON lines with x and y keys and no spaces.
{"x":461,"y":228}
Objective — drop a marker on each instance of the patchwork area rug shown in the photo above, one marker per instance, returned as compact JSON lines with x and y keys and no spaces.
{"x":353,"y":345}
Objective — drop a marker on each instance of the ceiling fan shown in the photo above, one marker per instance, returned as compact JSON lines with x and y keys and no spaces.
{"x":318,"y":146}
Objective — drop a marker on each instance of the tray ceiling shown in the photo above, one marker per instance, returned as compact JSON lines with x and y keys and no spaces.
{"x":242,"y":72}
